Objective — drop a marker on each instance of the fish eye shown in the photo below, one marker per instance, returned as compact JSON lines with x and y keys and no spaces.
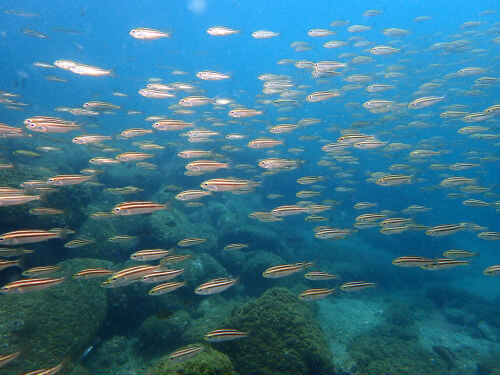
{"x":133,"y":31}
{"x":51,"y":179}
{"x":32,"y":125}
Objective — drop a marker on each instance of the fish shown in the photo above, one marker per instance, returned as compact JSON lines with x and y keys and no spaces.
{"x":4,"y":264}
{"x":187,"y":242}
{"x":412,"y":261}
{"x":145,"y":33}
{"x":222,"y":335}
{"x":443,"y":264}
{"x":66,"y":180}
{"x":229,"y":184}
{"x":285,"y":270}
{"x":489,"y":235}
{"x":30,"y":285}
{"x":128,"y":276}
{"x":40,"y":271}
{"x":264,"y":34}
{"x":354,"y":286}
{"x":492,"y":270}
{"x":159,"y":276}
{"x":174,"y":259}
{"x":24,"y":236}
{"x":215,"y":286}
{"x":315,"y":294}
{"x":222,"y":31}
{"x":160,"y":289}
{"x":137,"y":208}
{"x":208,"y":75}
{"x":445,"y":230}
{"x":7,"y":358}
{"x":189,"y":195}
{"x":14,"y":200}
{"x":319,"y":276}
{"x":121,"y":238}
{"x":459,"y":254}
{"x":235,"y":246}
{"x":79,"y":242}
{"x":187,"y":353}
{"x":425,"y":102}
{"x":92,"y":273}
{"x":149,"y":254}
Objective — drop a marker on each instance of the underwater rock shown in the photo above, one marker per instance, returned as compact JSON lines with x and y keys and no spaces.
{"x":389,"y":349}
{"x":209,"y":315}
{"x":167,"y":227}
{"x":283,"y":338}
{"x":257,"y":237}
{"x":131,"y":305}
{"x":209,"y":362}
{"x":116,"y":356}
{"x":52,"y":324}
{"x":202,"y":267}
{"x":163,"y":333}
{"x":255,"y":263}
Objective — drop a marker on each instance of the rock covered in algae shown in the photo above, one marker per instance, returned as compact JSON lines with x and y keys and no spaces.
{"x":209,"y":362}
{"x":283,"y":337}
{"x":390,"y":349}
{"x":52,"y":324}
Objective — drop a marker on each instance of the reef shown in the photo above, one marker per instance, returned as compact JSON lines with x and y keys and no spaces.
{"x":209,"y":362}
{"x":283,"y":337}
{"x":53,"y":324}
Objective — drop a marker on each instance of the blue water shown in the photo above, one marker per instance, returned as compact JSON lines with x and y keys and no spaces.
{"x":97,"y":34}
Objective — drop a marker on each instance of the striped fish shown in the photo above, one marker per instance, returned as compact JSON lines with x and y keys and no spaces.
{"x":79,"y":242}
{"x":319,"y":275}
{"x":285,"y":270}
{"x":25,"y":236}
{"x":133,"y":156}
{"x":6,"y":358}
{"x":228,"y":184}
{"x":191,"y":242}
{"x":459,"y":254}
{"x":166,"y":288}
{"x":445,"y":230}
{"x":444,"y":264}
{"x":92,"y":273}
{"x":492,"y":270}
{"x":137,"y":208}
{"x":215,"y":286}
{"x":150,"y":254}
{"x":68,"y":179}
{"x":46,"y":371}
{"x":170,"y":125}
{"x":174,"y":258}
{"x":184,"y":354}
{"x":490,"y":236}
{"x":411,"y":261}
{"x":30,"y":285}
{"x":288,"y":210}
{"x":40,"y":271}
{"x":356,"y":285}
{"x":394,"y":180}
{"x":160,"y":276}
{"x":315,"y":294}
{"x":128,"y":276}
{"x":221,"y":335}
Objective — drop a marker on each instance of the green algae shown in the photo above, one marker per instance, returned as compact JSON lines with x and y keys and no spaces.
{"x":209,"y":362}
{"x":283,"y":337}
{"x":389,"y":349}
{"x":52,"y":324}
